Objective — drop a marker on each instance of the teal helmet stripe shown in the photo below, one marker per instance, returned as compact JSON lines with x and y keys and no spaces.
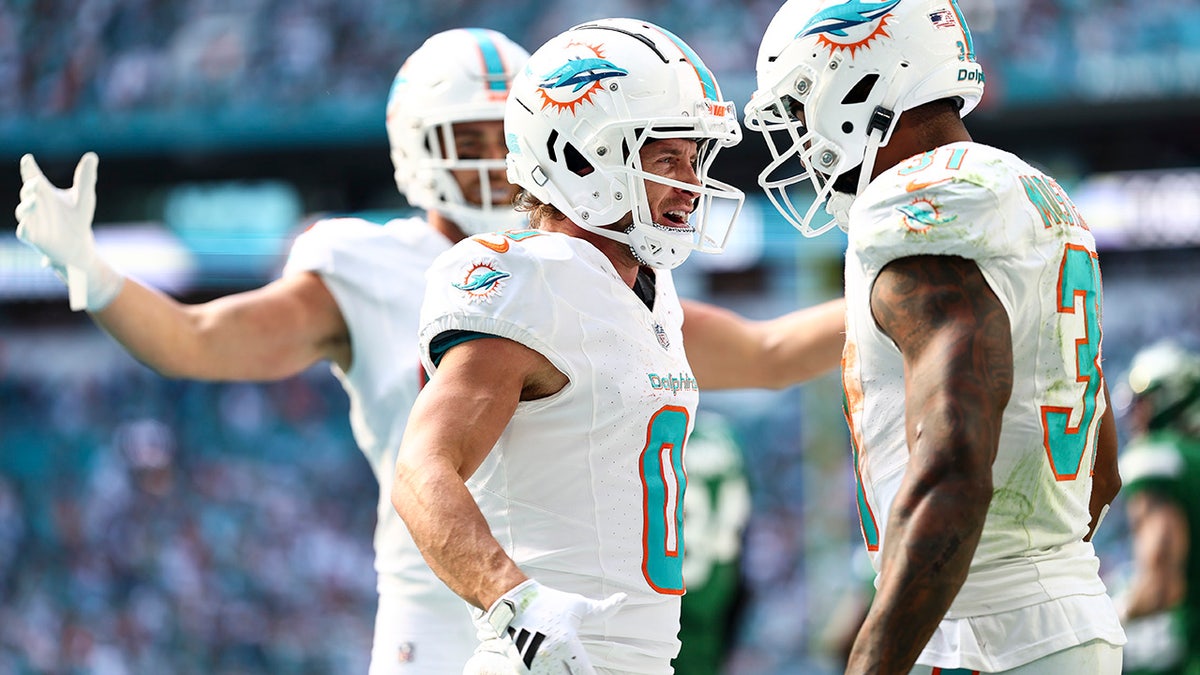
{"x":706,"y":77}
{"x":493,"y":63}
{"x":962,"y":21}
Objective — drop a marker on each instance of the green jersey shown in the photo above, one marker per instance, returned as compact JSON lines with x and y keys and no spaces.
{"x":1168,"y":463}
{"x":716,"y":507}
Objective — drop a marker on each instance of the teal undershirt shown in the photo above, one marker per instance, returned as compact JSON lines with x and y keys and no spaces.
{"x":451,"y":338}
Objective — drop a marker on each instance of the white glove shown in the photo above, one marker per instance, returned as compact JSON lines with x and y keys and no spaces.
{"x":533,"y":630}
{"x":494,"y":656}
{"x":58,"y":224}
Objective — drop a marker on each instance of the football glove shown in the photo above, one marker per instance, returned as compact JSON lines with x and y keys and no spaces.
{"x":58,"y":224}
{"x":533,"y":630}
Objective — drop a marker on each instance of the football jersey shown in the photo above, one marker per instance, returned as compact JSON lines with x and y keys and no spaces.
{"x":1167,"y":463}
{"x":716,"y":510}
{"x":584,"y":488}
{"x":1039,"y":258}
{"x":376,"y":274}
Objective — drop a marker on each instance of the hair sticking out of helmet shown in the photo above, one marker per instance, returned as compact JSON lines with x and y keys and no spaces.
{"x":456,"y":77}
{"x":580,"y":113}
{"x":834,"y":77}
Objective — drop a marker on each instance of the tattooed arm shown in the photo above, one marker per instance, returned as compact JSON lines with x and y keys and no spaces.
{"x":957,"y":348}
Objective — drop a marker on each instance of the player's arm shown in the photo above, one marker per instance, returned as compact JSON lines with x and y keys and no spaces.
{"x":263,"y":334}
{"x":957,"y":348}
{"x":729,"y":351}
{"x":1160,"y":550}
{"x":269,"y":333}
{"x":455,"y":422}
{"x":457,"y":419}
{"x":1106,"y":480}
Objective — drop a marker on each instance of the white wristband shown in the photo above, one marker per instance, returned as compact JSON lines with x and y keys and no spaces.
{"x":93,"y":289}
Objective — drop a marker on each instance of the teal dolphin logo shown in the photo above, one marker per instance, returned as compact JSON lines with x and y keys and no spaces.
{"x":835,"y":20}
{"x":924,"y":213}
{"x":579,"y":73}
{"x":480,"y":280}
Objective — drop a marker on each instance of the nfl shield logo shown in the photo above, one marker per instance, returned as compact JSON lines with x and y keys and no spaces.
{"x":662,"y":336}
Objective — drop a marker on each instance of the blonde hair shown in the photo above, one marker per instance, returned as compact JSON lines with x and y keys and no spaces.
{"x":539,"y":211}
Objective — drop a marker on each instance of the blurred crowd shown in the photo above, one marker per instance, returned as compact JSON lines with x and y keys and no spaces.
{"x":159,"y":526}
{"x":108,"y":57}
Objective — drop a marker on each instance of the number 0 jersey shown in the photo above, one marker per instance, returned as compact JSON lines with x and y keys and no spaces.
{"x":584,"y":489}
{"x":1038,"y":256}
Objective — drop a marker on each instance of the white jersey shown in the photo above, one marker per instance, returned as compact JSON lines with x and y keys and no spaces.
{"x":584,"y":488}
{"x":376,"y":274}
{"x":1038,"y":256}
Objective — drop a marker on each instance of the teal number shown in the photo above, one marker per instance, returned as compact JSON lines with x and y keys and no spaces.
{"x":915,"y":165}
{"x":870,"y":529}
{"x":664,"y":483}
{"x":1066,"y":443}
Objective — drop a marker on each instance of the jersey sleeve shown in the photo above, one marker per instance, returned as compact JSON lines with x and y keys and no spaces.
{"x":952,"y":201}
{"x":382,"y":264}
{"x":503,"y":289}
{"x":322,"y":247}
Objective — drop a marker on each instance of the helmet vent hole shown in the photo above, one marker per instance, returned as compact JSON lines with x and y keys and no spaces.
{"x":551,"y":141}
{"x":847,"y":128}
{"x":576,"y":163}
{"x":862,"y":90}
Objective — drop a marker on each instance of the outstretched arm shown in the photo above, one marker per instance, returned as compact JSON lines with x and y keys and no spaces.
{"x":728,"y":351}
{"x":955,"y":339}
{"x":263,"y":334}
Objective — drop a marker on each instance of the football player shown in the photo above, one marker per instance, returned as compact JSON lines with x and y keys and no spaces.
{"x":983,"y":441}
{"x":349,"y":294}
{"x":542,"y":470}
{"x":1160,"y":470}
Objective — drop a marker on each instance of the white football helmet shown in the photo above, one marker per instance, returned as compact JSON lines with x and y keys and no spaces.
{"x":1165,"y":377}
{"x":854,"y":66}
{"x":582,"y":109}
{"x":460,"y":75}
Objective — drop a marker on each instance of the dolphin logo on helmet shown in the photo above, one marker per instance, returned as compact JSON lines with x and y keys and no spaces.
{"x":835,"y":20}
{"x":576,"y":124}
{"x":581,"y":73}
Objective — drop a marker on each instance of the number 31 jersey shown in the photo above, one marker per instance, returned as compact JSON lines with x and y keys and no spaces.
{"x":1039,"y":258}
{"x":584,"y":489}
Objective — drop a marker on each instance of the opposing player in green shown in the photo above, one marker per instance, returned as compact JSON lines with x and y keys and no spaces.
{"x":1160,"y":467}
{"x":716,"y":508}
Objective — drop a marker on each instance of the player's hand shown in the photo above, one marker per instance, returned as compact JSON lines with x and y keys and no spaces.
{"x":534,"y":630}
{"x":58,"y":224}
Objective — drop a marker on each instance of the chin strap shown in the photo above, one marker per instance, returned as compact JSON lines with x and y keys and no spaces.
{"x":838,"y":204}
{"x":882,"y":120}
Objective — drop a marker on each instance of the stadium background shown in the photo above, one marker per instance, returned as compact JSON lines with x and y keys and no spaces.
{"x":156,"y":525}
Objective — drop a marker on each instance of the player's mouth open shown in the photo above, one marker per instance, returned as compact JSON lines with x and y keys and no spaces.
{"x":676,"y":219}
